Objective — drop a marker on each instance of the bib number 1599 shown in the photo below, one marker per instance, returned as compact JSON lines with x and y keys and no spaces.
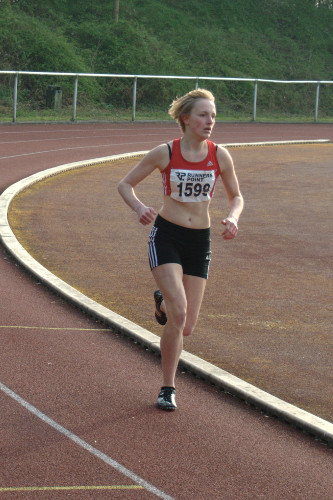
{"x":193,"y":189}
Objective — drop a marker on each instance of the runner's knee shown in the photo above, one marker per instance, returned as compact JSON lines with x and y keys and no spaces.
{"x":177,"y":317}
{"x":179,"y":320}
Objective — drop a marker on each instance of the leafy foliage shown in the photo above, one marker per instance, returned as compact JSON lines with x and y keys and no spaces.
{"x":276,"y":39}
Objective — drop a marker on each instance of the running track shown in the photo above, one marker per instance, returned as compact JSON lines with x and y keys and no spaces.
{"x":78,"y":418}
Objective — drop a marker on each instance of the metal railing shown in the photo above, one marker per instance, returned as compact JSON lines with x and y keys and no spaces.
{"x":135,"y":78}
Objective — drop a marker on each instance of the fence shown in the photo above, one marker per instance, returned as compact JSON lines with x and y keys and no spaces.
{"x":135,"y":78}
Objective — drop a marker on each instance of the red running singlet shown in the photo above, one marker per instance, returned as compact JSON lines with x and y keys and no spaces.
{"x":187,"y":181}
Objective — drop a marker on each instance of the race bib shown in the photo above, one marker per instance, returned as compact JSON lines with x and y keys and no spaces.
{"x":192,"y":185}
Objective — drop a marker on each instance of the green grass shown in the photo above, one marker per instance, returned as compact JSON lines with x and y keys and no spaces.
{"x":91,"y":113}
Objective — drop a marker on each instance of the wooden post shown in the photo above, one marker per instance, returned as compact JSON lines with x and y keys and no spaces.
{"x":115,"y":10}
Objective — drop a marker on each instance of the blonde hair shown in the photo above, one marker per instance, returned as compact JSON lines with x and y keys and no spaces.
{"x":184,"y":105}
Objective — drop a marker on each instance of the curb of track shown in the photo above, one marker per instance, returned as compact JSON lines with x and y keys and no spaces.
{"x":307,"y":422}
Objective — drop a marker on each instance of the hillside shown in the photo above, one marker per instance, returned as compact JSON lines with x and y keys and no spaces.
{"x":275,"y":39}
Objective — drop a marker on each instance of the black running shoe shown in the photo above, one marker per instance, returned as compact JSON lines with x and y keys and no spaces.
{"x":166,"y":399}
{"x":159,"y":315}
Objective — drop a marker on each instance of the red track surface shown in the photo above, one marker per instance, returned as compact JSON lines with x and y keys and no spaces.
{"x":102,"y":388}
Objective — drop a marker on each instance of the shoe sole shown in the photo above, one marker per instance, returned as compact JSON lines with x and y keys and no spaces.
{"x":166,"y":408}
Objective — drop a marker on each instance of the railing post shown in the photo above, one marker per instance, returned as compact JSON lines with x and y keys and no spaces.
{"x":196,"y":83}
{"x":75,"y":98}
{"x":15,"y":97}
{"x":134,"y":98}
{"x":317,"y":101}
{"x":255,"y":100}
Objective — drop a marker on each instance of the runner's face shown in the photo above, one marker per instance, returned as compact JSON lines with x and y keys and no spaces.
{"x":201,"y":120}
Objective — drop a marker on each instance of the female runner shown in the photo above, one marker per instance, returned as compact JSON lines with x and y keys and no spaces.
{"x":179,"y":242}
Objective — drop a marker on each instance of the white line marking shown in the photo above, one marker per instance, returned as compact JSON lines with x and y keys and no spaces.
{"x":71,"y":149}
{"x":72,"y":488}
{"x":277,"y":143}
{"x":237,"y":144}
{"x":65,"y":328}
{"x":86,"y":446}
{"x":53,"y":132}
{"x":70,"y":138}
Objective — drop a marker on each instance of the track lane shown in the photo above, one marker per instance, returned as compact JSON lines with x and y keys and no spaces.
{"x":207,"y":457}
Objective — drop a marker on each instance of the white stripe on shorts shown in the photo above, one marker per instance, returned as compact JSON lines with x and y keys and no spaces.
{"x":152,"y":249}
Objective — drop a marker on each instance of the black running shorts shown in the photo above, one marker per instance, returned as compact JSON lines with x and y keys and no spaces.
{"x":169,"y":243}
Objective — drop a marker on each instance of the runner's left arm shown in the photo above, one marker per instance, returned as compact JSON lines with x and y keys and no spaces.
{"x":231,"y":185}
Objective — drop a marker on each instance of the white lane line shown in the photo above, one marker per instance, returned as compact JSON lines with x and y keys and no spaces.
{"x":71,"y":488}
{"x":86,"y":446}
{"x":17,"y":132}
{"x":70,"y":138}
{"x":72,"y":149}
{"x":63,"y":328}
{"x":236,"y":144}
{"x":84,"y":137}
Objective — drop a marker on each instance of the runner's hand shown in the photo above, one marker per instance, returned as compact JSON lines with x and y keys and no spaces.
{"x":231,"y":228}
{"x":146,"y":215}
